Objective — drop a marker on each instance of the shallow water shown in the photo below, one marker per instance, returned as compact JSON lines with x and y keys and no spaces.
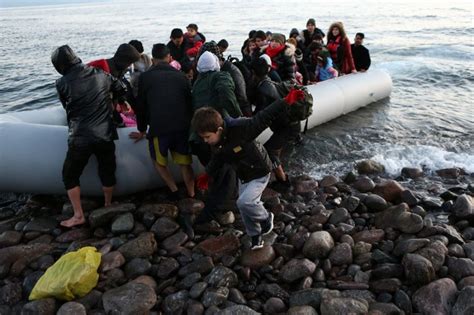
{"x":426,"y":47}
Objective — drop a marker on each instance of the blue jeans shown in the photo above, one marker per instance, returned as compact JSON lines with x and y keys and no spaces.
{"x":250,"y":206}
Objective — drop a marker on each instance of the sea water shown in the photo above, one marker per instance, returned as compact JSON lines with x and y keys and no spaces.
{"x":426,"y":46}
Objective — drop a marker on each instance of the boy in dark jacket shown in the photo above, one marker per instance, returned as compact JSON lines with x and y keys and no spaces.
{"x":85,"y":95}
{"x":233,"y":142}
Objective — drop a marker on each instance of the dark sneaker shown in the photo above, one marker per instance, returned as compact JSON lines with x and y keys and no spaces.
{"x":257,"y":242}
{"x":267,"y":225}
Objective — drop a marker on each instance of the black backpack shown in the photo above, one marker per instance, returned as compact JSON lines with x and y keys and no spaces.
{"x":302,"y":109}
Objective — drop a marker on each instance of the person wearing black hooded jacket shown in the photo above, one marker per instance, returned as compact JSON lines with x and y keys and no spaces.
{"x":85,"y":95}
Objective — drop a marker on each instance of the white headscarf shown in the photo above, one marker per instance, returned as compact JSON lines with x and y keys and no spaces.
{"x":208,"y":62}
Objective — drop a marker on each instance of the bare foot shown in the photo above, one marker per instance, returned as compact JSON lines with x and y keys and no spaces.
{"x":73,"y":222}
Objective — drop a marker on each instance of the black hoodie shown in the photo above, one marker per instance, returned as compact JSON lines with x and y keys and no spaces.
{"x":85,"y":95}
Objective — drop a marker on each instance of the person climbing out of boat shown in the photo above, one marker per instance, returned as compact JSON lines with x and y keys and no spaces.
{"x":164,"y":115}
{"x":194,"y":40}
{"x":117,"y":66}
{"x":325,"y":69}
{"x":310,"y":32}
{"x":283,"y":129}
{"x":213,"y":88}
{"x":360,"y":53}
{"x":282,"y":56}
{"x":178,"y":46}
{"x":339,"y":47}
{"x":240,"y":89}
{"x":233,"y":143}
{"x":84,"y":93}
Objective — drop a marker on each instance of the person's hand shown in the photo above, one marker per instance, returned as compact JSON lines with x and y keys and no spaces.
{"x":293,"y":96}
{"x":136,"y":135}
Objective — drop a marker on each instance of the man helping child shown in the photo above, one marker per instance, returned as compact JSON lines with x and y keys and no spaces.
{"x":233,"y":142}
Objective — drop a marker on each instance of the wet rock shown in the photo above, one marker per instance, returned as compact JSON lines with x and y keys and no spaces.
{"x":460,"y":267}
{"x":237,"y":309}
{"x":311,"y":297}
{"x":41,"y":225}
{"x":159,"y":210}
{"x":442,"y":229}
{"x":399,"y":217}
{"x":202,"y":265}
{"x":403,"y":302}
{"x":469,"y":250}
{"x":103,"y":216}
{"x":236,"y":296}
{"x":375,"y":202}
{"x":341,"y":254}
{"x":449,"y":172}
{"x":466,"y":282}
{"x":436,"y":297}
{"x":111,"y":260}
{"x":318,"y":245}
{"x":215,"y":297}
{"x":329,"y":180}
{"x":412,"y":172}
{"x":339,"y":215}
{"x":297,"y":269}
{"x":189,"y":280}
{"x":418,"y":269}
{"x":123,"y":224}
{"x":464,"y":207}
{"x":369,"y":236}
{"x":141,"y":247}
{"x":74,"y":235}
{"x":190,"y":206}
{"x":285,"y":250}
{"x":350,"y":203}
{"x":364,"y":184}
{"x":434,"y":252}
{"x":370,"y":167}
{"x":29,"y":282}
{"x":10,"y":293}
{"x":176,"y":303}
{"x":269,"y":290}
{"x":344,"y":306}
{"x":360,"y":295}
{"x":164,"y":227}
{"x":174,"y":241}
{"x":389,"y":189}
{"x":302,"y":310}
{"x":15,"y":258}
{"x":146,"y":280}
{"x":255,"y":259}
{"x":387,"y":271}
{"x":166,"y":267}
{"x":137,"y":267}
{"x":10,"y":238}
{"x":222,"y":276}
{"x":409,"y":198}
{"x":410,"y":246}
{"x":465,"y":302}
{"x":217,"y":247}
{"x":385,"y":285}
{"x":419,"y":210}
{"x":131,"y":298}
{"x":42,"y":307}
{"x":194,"y":308}
{"x":384,"y":308}
{"x":197,"y":289}
{"x":91,"y":300}
{"x":72,"y":308}
{"x":274,"y":306}
{"x":305,"y":186}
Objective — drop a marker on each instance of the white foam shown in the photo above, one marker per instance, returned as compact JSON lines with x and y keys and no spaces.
{"x":426,"y":157}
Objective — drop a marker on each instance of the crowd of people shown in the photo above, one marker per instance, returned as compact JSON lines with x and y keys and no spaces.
{"x":187,"y":99}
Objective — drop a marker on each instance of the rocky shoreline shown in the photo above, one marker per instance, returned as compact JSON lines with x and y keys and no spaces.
{"x":362,"y":244}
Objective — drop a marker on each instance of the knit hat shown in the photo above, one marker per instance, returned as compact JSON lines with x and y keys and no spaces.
{"x":208,"y":62}
{"x":267,"y":59}
{"x":211,"y":47}
{"x":279,"y":38}
{"x":294,"y":31}
{"x":311,"y":21}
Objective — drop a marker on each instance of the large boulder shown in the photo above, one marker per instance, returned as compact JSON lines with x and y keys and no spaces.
{"x":222,"y":276}
{"x":465,"y":302}
{"x":131,"y":298}
{"x":435,"y":298}
{"x":219,"y":246}
{"x":399,"y":217}
{"x":140,"y":247}
{"x":255,"y":259}
{"x":159,"y":210}
{"x":14,"y":259}
{"x":463,"y":208}
{"x":297,"y":269}
{"x":341,"y":254}
{"x":418,"y":269}
{"x":164,"y":227}
{"x":318,"y":245}
{"x":435,"y":252}
{"x":370,"y":167}
{"x":369,"y":236}
{"x":389,"y":189}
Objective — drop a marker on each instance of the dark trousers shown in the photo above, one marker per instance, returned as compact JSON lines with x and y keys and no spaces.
{"x":77,"y":157}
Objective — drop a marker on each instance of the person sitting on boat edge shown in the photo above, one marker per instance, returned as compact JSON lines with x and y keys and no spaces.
{"x":164,"y":108}
{"x":84,"y":92}
{"x":360,"y":53}
{"x":339,"y":47}
{"x":233,"y":143}
{"x":325,"y":69}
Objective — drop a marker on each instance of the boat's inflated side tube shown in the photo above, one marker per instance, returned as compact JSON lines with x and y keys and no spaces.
{"x":33,"y":144}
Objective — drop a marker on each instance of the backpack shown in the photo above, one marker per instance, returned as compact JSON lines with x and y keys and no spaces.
{"x":302,"y":109}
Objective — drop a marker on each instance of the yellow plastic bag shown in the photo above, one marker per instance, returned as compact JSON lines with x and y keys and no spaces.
{"x":71,"y":277}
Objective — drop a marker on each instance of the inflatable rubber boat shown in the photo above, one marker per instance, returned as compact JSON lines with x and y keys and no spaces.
{"x":33,"y":144}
